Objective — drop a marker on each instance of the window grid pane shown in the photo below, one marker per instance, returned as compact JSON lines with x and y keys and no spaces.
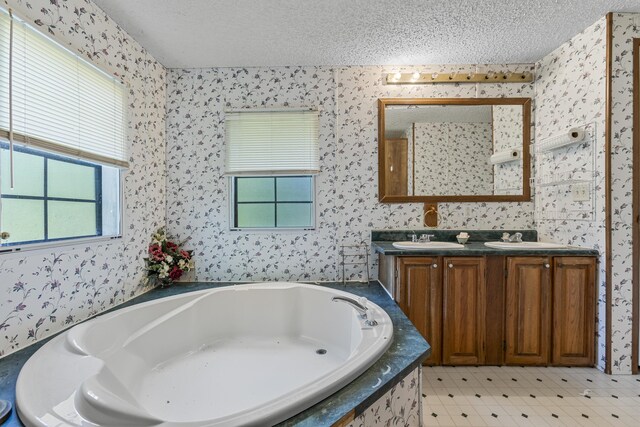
{"x":273,"y":202}
{"x":33,"y":224}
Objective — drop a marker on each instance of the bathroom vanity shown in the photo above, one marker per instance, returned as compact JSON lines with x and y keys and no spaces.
{"x":486,"y":306}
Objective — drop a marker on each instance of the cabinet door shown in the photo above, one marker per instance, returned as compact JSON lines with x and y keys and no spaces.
{"x":420,"y":298}
{"x":528,"y":314}
{"x":464,"y":291}
{"x":574,"y":311}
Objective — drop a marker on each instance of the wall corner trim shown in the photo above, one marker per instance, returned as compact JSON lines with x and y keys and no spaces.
{"x":608,"y":195}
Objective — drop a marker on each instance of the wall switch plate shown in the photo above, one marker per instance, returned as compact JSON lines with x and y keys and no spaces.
{"x":581,"y":192}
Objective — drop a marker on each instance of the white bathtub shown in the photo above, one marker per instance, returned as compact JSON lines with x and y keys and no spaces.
{"x":240,"y":355}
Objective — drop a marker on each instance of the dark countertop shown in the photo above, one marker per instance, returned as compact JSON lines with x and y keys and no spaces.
{"x":406,"y":352}
{"x":381,"y":242}
{"x":448,"y":235}
{"x":479,"y":249}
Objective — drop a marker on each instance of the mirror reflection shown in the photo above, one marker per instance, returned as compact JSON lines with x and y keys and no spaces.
{"x":453,"y":150}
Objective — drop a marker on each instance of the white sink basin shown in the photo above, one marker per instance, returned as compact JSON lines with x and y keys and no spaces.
{"x":524,"y":245}
{"x":427,"y":245}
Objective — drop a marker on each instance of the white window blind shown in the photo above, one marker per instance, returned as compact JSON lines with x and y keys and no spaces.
{"x":60,"y":102}
{"x":272,"y":142}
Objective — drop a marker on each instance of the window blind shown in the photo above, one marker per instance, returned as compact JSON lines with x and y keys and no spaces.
{"x":272,"y":142}
{"x":60,"y":102}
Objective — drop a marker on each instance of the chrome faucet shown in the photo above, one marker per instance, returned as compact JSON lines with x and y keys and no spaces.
{"x":516,"y":238}
{"x":414,"y":237}
{"x":361,"y":308}
{"x":426,"y":237}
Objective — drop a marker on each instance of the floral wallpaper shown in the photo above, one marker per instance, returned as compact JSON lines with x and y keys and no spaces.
{"x":197,"y":189}
{"x":624,"y":30}
{"x":443,"y":153}
{"x":347,"y":198}
{"x":46,"y":290}
{"x":431,"y":158}
{"x":570,"y":91}
{"x":507,"y":135}
{"x":357,"y":206}
{"x":400,"y":406}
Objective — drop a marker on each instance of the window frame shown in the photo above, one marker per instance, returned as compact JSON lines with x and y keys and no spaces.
{"x":233,"y":193}
{"x":98,"y":200}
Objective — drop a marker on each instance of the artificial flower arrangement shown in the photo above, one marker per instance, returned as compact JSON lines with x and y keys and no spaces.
{"x":167,"y":261}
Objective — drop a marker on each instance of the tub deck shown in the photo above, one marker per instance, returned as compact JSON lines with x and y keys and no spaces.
{"x":405,"y":354}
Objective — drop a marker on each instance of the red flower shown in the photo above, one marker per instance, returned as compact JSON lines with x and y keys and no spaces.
{"x":154,"y":247}
{"x":158,"y":256}
{"x":172,"y":246}
{"x":185,"y":255}
{"x":175,"y":273}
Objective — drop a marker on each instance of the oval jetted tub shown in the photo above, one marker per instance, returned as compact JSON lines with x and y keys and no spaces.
{"x":240,"y":355}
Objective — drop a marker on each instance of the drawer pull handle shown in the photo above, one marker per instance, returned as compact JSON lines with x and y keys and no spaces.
{"x":546,"y":266}
{"x":450,"y":265}
{"x":434,"y":266}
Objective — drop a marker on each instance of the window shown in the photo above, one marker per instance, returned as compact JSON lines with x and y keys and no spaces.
{"x":271,"y":159}
{"x":55,"y":197}
{"x":62,"y":140}
{"x":273,"y":202}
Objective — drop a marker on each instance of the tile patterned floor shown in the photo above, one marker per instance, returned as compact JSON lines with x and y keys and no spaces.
{"x":516,"y":396}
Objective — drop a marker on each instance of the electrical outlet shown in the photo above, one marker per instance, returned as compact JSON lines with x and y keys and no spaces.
{"x":581,"y":192}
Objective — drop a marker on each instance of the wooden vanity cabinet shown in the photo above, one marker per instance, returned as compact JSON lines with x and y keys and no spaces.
{"x":495,"y":310}
{"x":550,"y":311}
{"x":463,"y":331}
{"x":574,"y":306}
{"x":444,"y":299}
{"x":420,"y":298}
{"x":528,"y":311}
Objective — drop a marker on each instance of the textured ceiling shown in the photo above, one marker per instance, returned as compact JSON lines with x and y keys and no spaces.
{"x":399,"y":118}
{"x":210,"y":33}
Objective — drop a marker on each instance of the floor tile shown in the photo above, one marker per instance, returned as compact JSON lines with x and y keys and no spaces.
{"x":518,"y":396}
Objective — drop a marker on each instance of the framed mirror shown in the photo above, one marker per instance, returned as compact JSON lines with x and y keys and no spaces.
{"x":454,"y":149}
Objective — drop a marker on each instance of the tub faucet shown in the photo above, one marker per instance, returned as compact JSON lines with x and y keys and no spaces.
{"x":361,"y":308}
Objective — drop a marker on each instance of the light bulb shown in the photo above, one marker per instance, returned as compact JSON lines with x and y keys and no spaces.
{"x":397,"y":76}
{"x":415,"y":75}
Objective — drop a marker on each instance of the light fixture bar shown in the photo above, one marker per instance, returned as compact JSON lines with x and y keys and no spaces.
{"x":417,"y":78}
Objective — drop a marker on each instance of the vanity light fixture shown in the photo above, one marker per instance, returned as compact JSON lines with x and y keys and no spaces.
{"x":490,"y":77}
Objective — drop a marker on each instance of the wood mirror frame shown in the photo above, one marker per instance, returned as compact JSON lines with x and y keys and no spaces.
{"x":526,"y":141}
